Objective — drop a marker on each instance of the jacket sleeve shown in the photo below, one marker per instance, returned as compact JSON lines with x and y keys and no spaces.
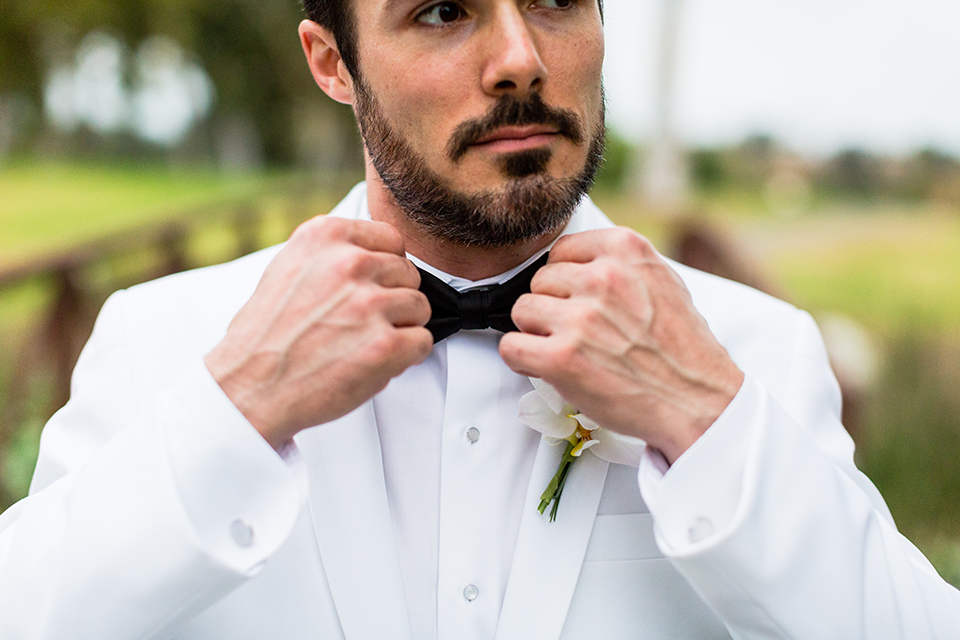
{"x":769,"y":520}
{"x":139,"y":515}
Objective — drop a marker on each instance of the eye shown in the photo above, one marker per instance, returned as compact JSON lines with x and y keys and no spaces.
{"x":442,"y":13}
{"x":556,"y":4}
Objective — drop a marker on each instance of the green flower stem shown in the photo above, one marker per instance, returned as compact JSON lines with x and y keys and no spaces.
{"x":555,"y":488}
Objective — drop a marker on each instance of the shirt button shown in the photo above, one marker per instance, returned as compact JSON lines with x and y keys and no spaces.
{"x":242,"y":532}
{"x":700,"y":529}
{"x":473,"y":434}
{"x":470,"y":592}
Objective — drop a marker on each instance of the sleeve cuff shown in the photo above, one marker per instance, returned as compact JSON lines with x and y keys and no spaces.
{"x":242,"y":498}
{"x":693,"y":502}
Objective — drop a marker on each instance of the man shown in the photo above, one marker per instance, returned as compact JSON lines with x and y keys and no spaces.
{"x":276,"y":448}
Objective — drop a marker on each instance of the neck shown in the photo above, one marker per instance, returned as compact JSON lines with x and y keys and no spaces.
{"x":468,"y":262}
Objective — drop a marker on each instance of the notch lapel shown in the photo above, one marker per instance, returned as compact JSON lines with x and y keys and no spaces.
{"x":548,"y":556}
{"x":348,"y":503}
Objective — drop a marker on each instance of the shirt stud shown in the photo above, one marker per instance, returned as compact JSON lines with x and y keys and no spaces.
{"x":470,"y":592}
{"x":473,"y":434}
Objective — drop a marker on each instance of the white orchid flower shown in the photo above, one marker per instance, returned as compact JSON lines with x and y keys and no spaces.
{"x":549,"y":413}
{"x":559,"y":421}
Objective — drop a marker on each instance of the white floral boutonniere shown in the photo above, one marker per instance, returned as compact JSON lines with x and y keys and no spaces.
{"x":560,"y":422}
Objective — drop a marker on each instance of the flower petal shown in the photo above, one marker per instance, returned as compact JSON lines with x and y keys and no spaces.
{"x":617,"y":448}
{"x":550,"y":395}
{"x":587,"y":423}
{"x":583,"y":446}
{"x":535,"y":413}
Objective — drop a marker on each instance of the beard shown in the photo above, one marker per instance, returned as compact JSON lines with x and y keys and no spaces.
{"x":531,"y":205}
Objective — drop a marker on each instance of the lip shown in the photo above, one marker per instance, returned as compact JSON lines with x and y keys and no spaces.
{"x":509,"y":139}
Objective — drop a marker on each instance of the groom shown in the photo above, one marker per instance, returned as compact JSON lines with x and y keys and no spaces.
{"x":281,"y":447}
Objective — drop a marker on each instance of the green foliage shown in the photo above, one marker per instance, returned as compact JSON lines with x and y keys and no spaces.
{"x":853,"y":171}
{"x":249,"y":49}
{"x":912,"y":447}
{"x":616,"y":161}
{"x":707,"y":168}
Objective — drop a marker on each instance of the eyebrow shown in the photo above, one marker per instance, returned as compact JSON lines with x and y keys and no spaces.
{"x":394,"y":5}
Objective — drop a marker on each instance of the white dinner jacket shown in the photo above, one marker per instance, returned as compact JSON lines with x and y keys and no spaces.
{"x":107,"y":546}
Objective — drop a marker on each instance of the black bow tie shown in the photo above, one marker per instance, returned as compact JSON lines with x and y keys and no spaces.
{"x":480,"y":308}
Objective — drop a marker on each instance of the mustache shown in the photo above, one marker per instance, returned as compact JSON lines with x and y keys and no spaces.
{"x":511,"y":111}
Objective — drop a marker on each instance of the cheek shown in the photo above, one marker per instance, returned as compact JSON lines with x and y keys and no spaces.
{"x":421,"y":101}
{"x":589,"y":71}
{"x":576,"y":70}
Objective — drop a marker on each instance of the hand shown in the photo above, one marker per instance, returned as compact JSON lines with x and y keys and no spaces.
{"x":336,"y":315}
{"x":614,"y":329}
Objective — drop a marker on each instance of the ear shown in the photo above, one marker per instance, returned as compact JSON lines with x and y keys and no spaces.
{"x":325,"y":63}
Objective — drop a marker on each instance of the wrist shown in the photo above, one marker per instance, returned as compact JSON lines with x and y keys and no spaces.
{"x":712,"y":403}
{"x":241,"y":391}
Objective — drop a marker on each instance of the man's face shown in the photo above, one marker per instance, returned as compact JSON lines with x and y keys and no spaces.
{"x":484,"y":118}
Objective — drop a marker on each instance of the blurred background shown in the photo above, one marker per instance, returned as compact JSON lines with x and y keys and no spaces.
{"x":807,"y":149}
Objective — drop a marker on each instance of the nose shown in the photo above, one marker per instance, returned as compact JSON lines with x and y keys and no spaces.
{"x":513,"y":64}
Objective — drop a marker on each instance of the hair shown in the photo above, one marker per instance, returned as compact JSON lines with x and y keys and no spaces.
{"x":337,"y":16}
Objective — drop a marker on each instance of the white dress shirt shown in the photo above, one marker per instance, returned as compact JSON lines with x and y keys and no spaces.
{"x":456,"y":456}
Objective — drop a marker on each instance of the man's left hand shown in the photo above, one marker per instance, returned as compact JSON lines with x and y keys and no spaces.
{"x":614,"y":329}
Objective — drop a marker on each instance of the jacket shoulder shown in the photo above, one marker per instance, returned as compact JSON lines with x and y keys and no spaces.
{"x":765,"y":336}
{"x":169,"y":323}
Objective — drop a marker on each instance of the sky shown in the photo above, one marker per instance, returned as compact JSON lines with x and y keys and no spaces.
{"x":819,"y":75}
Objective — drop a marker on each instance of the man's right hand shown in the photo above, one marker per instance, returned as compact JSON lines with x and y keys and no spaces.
{"x":336,"y":315}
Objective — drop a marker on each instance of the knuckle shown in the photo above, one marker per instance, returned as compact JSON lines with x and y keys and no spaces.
{"x":368,"y":300}
{"x":318,"y":229}
{"x":356,"y":263}
{"x":562,"y":360}
{"x":382,"y":344}
{"x":588,"y":317}
{"x":604,"y":276}
{"x":629,"y":241}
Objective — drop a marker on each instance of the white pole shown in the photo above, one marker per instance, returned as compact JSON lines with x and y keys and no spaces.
{"x":662,"y":175}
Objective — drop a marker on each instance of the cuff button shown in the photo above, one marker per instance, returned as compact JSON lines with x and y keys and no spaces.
{"x":242,"y":532}
{"x":700,"y":529}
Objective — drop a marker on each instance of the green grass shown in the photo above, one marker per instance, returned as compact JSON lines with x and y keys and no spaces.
{"x":54,"y":205}
{"x":891,"y":270}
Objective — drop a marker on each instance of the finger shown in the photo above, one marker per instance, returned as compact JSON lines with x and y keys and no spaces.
{"x":405,"y":307}
{"x":395,"y":271}
{"x":577,"y":247}
{"x":590,"y":245}
{"x":538,"y":314}
{"x":526,"y":354}
{"x":367,"y":234}
{"x":412,"y":345}
{"x":376,"y":236}
{"x":557,"y":279}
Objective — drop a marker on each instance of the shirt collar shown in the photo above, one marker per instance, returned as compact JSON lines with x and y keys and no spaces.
{"x":462,"y":284}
